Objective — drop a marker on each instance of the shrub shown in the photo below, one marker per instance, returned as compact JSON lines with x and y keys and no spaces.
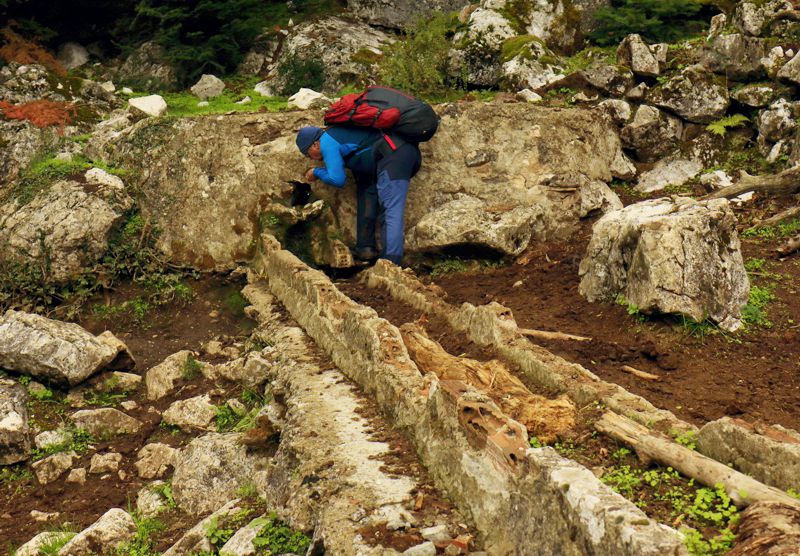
{"x":419,"y":64}
{"x":301,"y":71}
{"x":23,"y":51}
{"x":655,"y":20}
{"x":41,"y":113}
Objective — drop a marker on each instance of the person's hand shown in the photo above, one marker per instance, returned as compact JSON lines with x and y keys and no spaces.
{"x":310,"y":175}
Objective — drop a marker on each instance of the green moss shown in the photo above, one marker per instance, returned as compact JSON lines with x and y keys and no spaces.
{"x":514,"y":46}
{"x":517,"y":12}
{"x":366,"y":57}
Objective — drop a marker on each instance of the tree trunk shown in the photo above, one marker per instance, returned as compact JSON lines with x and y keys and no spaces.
{"x":544,"y":418}
{"x":768,"y":528}
{"x":787,"y":181}
{"x":652,"y":446}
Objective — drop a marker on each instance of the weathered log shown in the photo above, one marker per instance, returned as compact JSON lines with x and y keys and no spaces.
{"x":784,"y":182}
{"x":547,"y":419}
{"x":768,"y":528}
{"x":782,"y":216}
{"x":789,"y":247}
{"x":547,"y":335}
{"x":652,"y":446}
{"x":641,"y":374}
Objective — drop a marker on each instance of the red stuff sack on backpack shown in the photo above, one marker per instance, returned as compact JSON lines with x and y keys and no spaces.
{"x":385,"y":109}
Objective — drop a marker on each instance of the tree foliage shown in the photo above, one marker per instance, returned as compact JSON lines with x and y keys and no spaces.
{"x":655,"y":20}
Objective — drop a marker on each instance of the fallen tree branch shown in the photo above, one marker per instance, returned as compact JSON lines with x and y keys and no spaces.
{"x":545,"y":418}
{"x":782,"y":216}
{"x":789,"y":247}
{"x":787,"y":181}
{"x":652,"y":446}
{"x":641,"y":374}
{"x":546,"y":335}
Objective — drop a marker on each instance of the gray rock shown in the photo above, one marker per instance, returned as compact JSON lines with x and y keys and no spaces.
{"x":105,"y":463}
{"x":149,"y":106}
{"x":209,"y":86}
{"x":619,"y":110}
{"x":735,"y":56}
{"x":477,"y":57}
{"x":752,"y":18}
{"x":528,"y":96}
{"x":52,"y":438}
{"x":259,"y":58}
{"x":161,"y":379}
{"x":718,"y":24}
{"x":424,"y":549}
{"x":154,"y":459}
{"x":57,"y":351}
{"x":778,"y":121}
{"x":263,"y":88}
{"x":195,"y":540}
{"x":72,"y":55}
{"x":400,"y":14}
{"x":671,"y":256}
{"x":15,"y":443}
{"x":35,"y":546}
{"x":608,"y":79}
{"x":695,"y":95}
{"x":149,"y":501}
{"x":208,"y":472}
{"x":716,"y":179}
{"x":112,"y":529}
{"x":305,"y":99}
{"x":437,"y":533}
{"x":673,"y":170}
{"x":77,"y":476}
{"x":652,"y":133}
{"x":105,"y":421}
{"x":791,"y":70}
{"x":52,"y":467}
{"x":755,"y":95}
{"x":768,"y":454}
{"x":634,"y":53}
{"x":241,"y":543}
{"x":774,"y":62}
{"x":532,"y":68}
{"x":69,"y":223}
{"x":193,"y":414}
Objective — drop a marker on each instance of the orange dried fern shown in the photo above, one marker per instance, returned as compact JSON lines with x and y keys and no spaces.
{"x":23,"y":51}
{"x":41,"y":113}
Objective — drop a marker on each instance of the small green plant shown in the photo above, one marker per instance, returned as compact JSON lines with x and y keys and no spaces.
{"x":41,"y":394}
{"x":754,"y":265}
{"x":622,"y":479}
{"x":687,"y":438}
{"x":535,"y":442}
{"x":755,"y":313}
{"x":247,"y":490}
{"x":713,"y":506}
{"x":794,"y":493}
{"x":236,"y":303}
{"x":25,"y":380}
{"x":699,"y":546}
{"x":698,"y":329}
{"x":191,"y":368}
{"x":448,"y":266}
{"x":226,"y":418}
{"x":14,"y":473}
{"x":55,"y":543}
{"x":165,"y":490}
{"x":77,"y":440}
{"x":142,"y":544}
{"x":721,"y":126}
{"x":216,"y":534}
{"x":278,"y":538}
{"x":631,"y":308}
{"x":784,"y":229}
{"x":621,"y":453}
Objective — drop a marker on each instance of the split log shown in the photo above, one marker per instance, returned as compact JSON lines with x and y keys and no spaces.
{"x":784,"y":182}
{"x":547,"y":419}
{"x":652,"y":446}
{"x":547,"y":335}
{"x":641,"y":374}
{"x":768,"y":528}
{"x":789,"y":247}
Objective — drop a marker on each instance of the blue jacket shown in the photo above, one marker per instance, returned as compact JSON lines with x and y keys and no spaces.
{"x":346,"y":147}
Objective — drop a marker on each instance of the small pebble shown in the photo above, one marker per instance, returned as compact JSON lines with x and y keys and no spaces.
{"x":518,"y":283}
{"x":214,"y":314}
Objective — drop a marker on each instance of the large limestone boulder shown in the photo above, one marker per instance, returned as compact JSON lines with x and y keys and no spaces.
{"x":531,"y":68}
{"x":349,"y":55}
{"x":754,"y":18}
{"x":211,"y":201}
{"x":15,"y":442}
{"x":694,"y":94}
{"x":477,"y":57}
{"x":56,"y":351}
{"x":209,"y":471}
{"x":669,"y":255}
{"x":400,"y":14}
{"x":652,"y":133}
{"x":70,"y":224}
{"x":112,"y":529}
{"x":163,"y":378}
{"x":735,"y":55}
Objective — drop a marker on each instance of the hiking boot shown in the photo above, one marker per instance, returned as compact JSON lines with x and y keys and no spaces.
{"x":365,"y":254}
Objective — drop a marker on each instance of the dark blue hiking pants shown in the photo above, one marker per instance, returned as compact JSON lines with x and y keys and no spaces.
{"x":381,"y":198}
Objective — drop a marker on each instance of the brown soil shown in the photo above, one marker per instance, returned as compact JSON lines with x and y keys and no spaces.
{"x":753,"y":374}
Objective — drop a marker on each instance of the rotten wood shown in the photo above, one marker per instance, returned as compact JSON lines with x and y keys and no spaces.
{"x":789,"y":247}
{"x":547,"y":335}
{"x":768,"y":528}
{"x":641,"y":374}
{"x":653,"y":446}
{"x":545,"y":418}
{"x":784,"y":182}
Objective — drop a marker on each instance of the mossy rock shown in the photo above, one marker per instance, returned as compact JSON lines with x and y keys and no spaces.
{"x":366,"y":57}
{"x":519,"y":45}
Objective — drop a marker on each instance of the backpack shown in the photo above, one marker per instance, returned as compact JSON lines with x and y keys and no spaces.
{"x":385,"y":109}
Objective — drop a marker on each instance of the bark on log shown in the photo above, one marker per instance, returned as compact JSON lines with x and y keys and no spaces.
{"x":650,"y":445}
{"x":787,"y":181}
{"x":547,"y":335}
{"x":547,"y":419}
{"x":768,"y":528}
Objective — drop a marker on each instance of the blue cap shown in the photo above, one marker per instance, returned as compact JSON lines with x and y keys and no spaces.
{"x":306,"y":137}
